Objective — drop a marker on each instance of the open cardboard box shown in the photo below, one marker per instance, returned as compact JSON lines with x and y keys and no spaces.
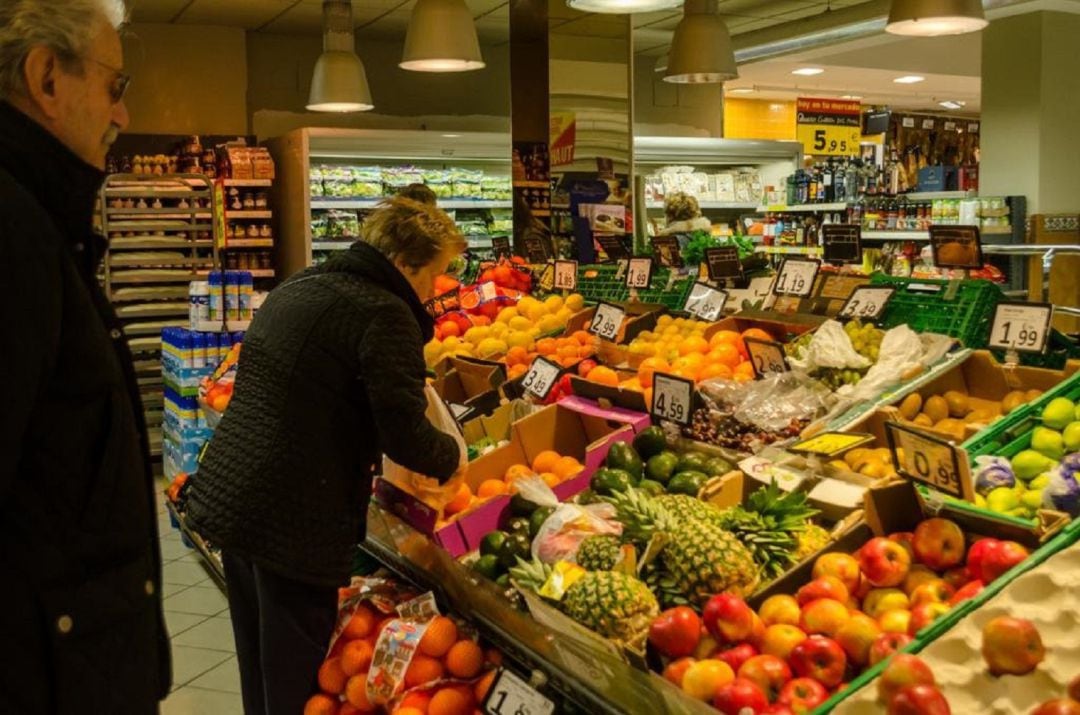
{"x":639,"y":317}
{"x":495,"y":426}
{"x":613,"y":395}
{"x":469,"y":382}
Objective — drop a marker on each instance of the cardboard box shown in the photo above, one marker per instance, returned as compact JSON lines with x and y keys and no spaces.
{"x":639,"y":317}
{"x":611,"y":395}
{"x":495,"y":426}
{"x":469,"y":382}
{"x":420,"y":516}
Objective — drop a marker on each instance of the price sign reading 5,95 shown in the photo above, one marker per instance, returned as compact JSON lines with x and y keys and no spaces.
{"x":705,"y":302}
{"x":565,"y":275}
{"x":541,"y":377}
{"x":796,"y":277}
{"x":928,"y":459}
{"x":510,"y":695}
{"x":1023,"y":327}
{"x":766,"y":356}
{"x":607,"y":321}
{"x":673,"y":398}
{"x":867,"y":303}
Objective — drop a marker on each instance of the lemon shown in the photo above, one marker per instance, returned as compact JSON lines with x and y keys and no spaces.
{"x":553,"y":304}
{"x":575,"y":302}
{"x":506,"y":315}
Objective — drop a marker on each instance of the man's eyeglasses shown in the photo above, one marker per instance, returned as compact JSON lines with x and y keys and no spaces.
{"x":120,"y":82}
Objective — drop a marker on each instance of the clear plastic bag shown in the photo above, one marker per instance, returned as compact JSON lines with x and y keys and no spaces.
{"x":422,"y":487}
{"x":569,"y":525}
{"x":772,"y":403}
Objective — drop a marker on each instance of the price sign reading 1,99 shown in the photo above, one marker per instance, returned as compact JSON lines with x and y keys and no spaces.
{"x":566,"y":275}
{"x":1023,"y":327}
{"x":510,"y":695}
{"x":796,"y":277}
{"x":673,"y":398}
{"x":606,"y":321}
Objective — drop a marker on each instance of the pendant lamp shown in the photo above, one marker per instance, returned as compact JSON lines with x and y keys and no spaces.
{"x":339,"y":83}
{"x":441,"y":38}
{"x":701,"y":51}
{"x":930,"y":18}
{"x":623,"y":7}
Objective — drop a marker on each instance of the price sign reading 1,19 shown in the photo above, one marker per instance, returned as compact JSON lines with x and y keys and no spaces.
{"x":867,"y":303}
{"x":639,"y":273}
{"x":927,"y":459}
{"x":705,"y":302}
{"x":796,"y":277}
{"x":565,"y":275}
{"x":607,"y":321}
{"x":1024,"y":327}
{"x":541,"y":377}
{"x":766,"y":356}
{"x":510,"y":695}
{"x":673,"y":398}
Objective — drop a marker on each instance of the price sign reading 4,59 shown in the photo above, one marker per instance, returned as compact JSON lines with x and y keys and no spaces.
{"x":607,"y":321}
{"x":1024,"y":327}
{"x":867,"y":303}
{"x":541,"y":377}
{"x":510,"y":695}
{"x":796,"y":277}
{"x":766,"y":356}
{"x":639,"y":273}
{"x":565,"y":275}
{"x":929,"y":460}
{"x":705,"y":302}
{"x":673,"y":398}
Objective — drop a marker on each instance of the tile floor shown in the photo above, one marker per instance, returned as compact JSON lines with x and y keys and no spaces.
{"x":205,"y":676}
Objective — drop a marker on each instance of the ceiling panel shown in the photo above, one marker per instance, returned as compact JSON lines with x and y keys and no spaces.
{"x":156,"y":10}
{"x":248,"y":14}
{"x":305,"y":18}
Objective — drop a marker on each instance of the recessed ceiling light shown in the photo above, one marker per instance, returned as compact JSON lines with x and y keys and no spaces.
{"x":451,"y":136}
{"x":951,"y":104}
{"x":851,"y":96}
{"x":909,"y":79}
{"x":740,"y":90}
{"x":807,"y":71}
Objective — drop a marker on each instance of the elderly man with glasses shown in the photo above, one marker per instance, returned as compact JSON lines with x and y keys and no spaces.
{"x":80,"y":590}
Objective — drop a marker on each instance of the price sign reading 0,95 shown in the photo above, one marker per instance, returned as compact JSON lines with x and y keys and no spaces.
{"x":929,"y":460}
{"x":796,"y":277}
{"x":673,"y":398}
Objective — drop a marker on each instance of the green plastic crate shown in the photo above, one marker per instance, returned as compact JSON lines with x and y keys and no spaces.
{"x":1059,"y":349}
{"x":961,"y":309}
{"x":599,"y":282}
{"x":1012,"y":432}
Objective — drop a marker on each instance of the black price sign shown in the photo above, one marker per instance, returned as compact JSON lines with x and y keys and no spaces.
{"x":536,"y":250}
{"x":500,"y":246}
{"x":1024,"y":327}
{"x":541,"y":377}
{"x":930,"y":460}
{"x":510,"y":695}
{"x":766,"y":356}
{"x":460,"y":412}
{"x":705,"y":302}
{"x":956,"y":246}
{"x":565,"y":275}
{"x":866,"y":303}
{"x":722,"y":263}
{"x":607,"y":320}
{"x":673,"y":398}
{"x":639,"y":273}
{"x":842,"y":242}
{"x":666,"y":251}
{"x":796,"y":277}
{"x":614,"y":246}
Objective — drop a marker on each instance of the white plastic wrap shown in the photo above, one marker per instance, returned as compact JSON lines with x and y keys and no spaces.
{"x":570,"y":524}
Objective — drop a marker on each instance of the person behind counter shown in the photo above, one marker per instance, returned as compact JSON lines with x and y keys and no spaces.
{"x":684,"y":217}
{"x":331,"y":377}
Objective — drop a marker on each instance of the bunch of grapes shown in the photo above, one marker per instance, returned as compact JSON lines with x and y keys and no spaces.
{"x":723,"y":430}
{"x":800,"y":344}
{"x":834,"y":377}
{"x":865,"y":338}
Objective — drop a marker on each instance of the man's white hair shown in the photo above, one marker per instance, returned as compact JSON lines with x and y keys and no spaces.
{"x":65,"y":26}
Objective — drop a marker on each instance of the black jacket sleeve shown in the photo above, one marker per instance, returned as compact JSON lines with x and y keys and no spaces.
{"x":392,"y":368}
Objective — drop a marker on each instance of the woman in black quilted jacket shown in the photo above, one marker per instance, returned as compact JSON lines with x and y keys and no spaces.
{"x":331,"y":378}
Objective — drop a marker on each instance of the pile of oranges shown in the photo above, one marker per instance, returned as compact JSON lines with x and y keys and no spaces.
{"x":679,"y":347}
{"x":442,"y":654}
{"x":565,"y":351}
{"x":549,"y":465}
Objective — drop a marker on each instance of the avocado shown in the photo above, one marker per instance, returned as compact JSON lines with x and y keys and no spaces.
{"x":650,"y":442}
{"x":488,"y":566}
{"x":608,"y":481}
{"x":661,"y":466}
{"x":651,"y":488}
{"x":689,"y":482}
{"x":622,"y":456}
{"x":692,"y":462}
{"x":586,"y":496}
{"x":503,"y":581}
{"x":492,"y":543}
{"x":516,"y":546}
{"x":518,"y":525}
{"x":538,"y":518}
{"x":520,"y":506}
{"x":718,"y":466}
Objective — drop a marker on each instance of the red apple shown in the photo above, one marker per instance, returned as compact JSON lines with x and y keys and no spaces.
{"x":919,"y":699}
{"x":1059,"y":706}
{"x":757,"y":632}
{"x":957,"y":577}
{"x":864,"y":587}
{"x":998,"y":560}
{"x":977,"y":553}
{"x":676,"y":669}
{"x":780,"y":639}
{"x":905,"y":539}
{"x":895,"y":621}
{"x":938,"y":543}
{"x":675,"y":632}
{"x":968,"y":590}
{"x":768,"y":672}
{"x":841,"y":566}
{"x":819,"y":658}
{"x":822,"y":587}
{"x":857,"y":636}
{"x":803,"y":694}
{"x":880,"y":600}
{"x":737,"y":655}
{"x":902,"y":670}
{"x":887,"y":644}
{"x":1074,"y":688}
{"x":1012,"y":645}
{"x":778,"y":709}
{"x":936,"y":591}
{"x":728,"y":618}
{"x":884,"y":562}
{"x":824,"y":616}
{"x":924,"y":614}
{"x":781,"y":608}
{"x":740,"y":697}
{"x":918,"y":574}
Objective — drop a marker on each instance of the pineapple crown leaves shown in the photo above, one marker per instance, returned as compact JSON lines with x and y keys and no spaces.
{"x":531,"y":574}
{"x":781,"y":511}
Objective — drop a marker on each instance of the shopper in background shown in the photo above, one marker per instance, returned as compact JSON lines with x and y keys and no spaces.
{"x":331,"y":378}
{"x":419,"y":192}
{"x":684,"y":217}
{"x":80,"y":603}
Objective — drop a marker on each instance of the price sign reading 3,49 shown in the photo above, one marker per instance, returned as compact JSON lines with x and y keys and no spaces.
{"x":541,"y":377}
{"x":673,"y":398}
{"x":867,"y":303}
{"x":607,"y":321}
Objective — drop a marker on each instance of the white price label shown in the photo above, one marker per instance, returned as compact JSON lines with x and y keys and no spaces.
{"x":639,"y":273}
{"x":766,"y":356}
{"x":458,"y":411}
{"x":510,"y":695}
{"x":541,"y":377}
{"x":673,"y":398}
{"x":566,"y":275}
{"x":929,"y":460}
{"x":488,"y":291}
{"x":607,"y":321}
{"x":796,"y":277}
{"x":1024,"y":327}
{"x":867,"y":303}
{"x":705,"y":302}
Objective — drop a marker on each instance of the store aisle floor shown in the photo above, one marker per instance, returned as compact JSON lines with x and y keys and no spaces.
{"x":205,"y":674}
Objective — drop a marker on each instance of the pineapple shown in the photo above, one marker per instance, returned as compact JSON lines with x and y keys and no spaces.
{"x":701,"y":558}
{"x":599,"y":553}
{"x":615,"y":605}
{"x":810,"y":541}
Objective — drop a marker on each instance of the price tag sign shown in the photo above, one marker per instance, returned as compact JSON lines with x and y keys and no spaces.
{"x":487,"y":291}
{"x":639,"y":273}
{"x":1024,"y":327}
{"x":510,"y":695}
{"x":607,"y":321}
{"x":828,"y":127}
{"x":460,"y":412}
{"x":956,"y":246}
{"x":500,"y":246}
{"x":766,"y":356}
{"x":722,"y":263}
{"x":796,"y":277}
{"x":673,"y":398}
{"x":613,"y":246}
{"x":831,"y":444}
{"x":705,"y":302}
{"x":666,"y":251}
{"x":535,"y":249}
{"x":541,"y":377}
{"x":866,"y":303}
{"x":566,"y":275}
{"x":842,"y":242}
{"x":927,"y":459}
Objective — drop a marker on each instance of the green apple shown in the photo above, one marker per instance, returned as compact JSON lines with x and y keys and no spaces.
{"x":1002,"y":500}
{"x":1048,"y":442}
{"x":1028,"y":464}
{"x":1058,"y":413}
{"x":1071,"y":437}
{"x":1032,"y":499}
{"x":1040,"y":481}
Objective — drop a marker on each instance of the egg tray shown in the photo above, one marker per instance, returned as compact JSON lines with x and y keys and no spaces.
{"x":1041,"y":589}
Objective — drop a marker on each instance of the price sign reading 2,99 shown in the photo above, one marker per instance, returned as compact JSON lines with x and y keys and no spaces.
{"x":929,"y":460}
{"x":606,"y":321}
{"x":766,"y":356}
{"x":796,"y":277}
{"x":673,"y":398}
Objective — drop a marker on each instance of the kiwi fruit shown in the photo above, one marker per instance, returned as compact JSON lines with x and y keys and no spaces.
{"x":958,"y":403}
{"x":1013,"y":400}
{"x":911,"y":406}
{"x":923,"y":420}
{"x":936,"y":408}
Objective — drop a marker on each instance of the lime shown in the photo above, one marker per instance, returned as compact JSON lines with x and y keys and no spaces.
{"x":492,"y":543}
{"x":661,"y":466}
{"x":487,"y":566}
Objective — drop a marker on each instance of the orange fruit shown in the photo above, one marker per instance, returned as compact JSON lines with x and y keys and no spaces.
{"x":450,"y":701}
{"x":743,"y":372}
{"x":493,"y":656}
{"x":586,"y":351}
{"x":356,"y":657}
{"x":757,"y":334}
{"x":332,"y":678}
{"x":451,"y":329}
{"x":423,"y":669}
{"x":686,"y":373}
{"x":676,"y":669}
{"x":460,"y":502}
{"x":546,"y":346}
{"x":321,"y":704}
{"x":550,"y":479}
{"x":568,"y":351}
{"x":491,"y":487}
{"x":361,"y":624}
{"x":584,"y":337}
{"x":418,"y":699}
{"x":356,"y":693}
{"x":724,"y":336}
{"x":515,"y":371}
{"x":648,"y":392}
{"x":649,"y":366}
{"x":464,"y":659}
{"x":545,"y":460}
{"x":516,"y":355}
{"x":517,"y":471}
{"x":693,"y":344}
{"x":348,"y":708}
{"x":566,"y":467}
{"x":410,"y":711}
{"x":480,"y":320}
{"x":603,"y":375}
{"x":440,"y":634}
{"x":714,"y":370}
{"x":726,"y":354}
{"x":480,"y":690}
